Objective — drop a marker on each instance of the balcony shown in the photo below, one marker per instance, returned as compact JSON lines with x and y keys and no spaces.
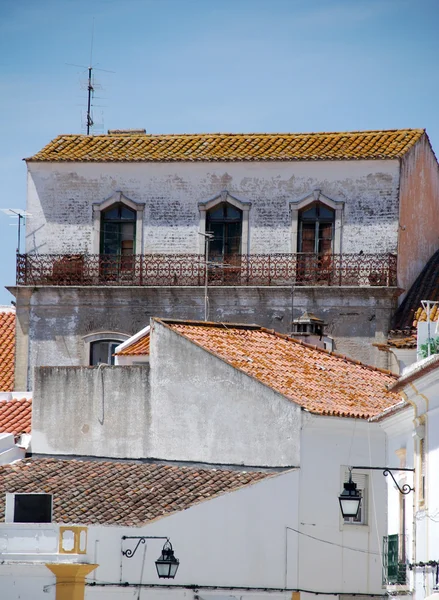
{"x":189,"y":270}
{"x":42,"y":542}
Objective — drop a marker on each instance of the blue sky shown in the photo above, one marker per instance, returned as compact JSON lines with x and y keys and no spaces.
{"x":209,"y":65}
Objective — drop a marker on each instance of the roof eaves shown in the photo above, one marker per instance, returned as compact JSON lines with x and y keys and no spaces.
{"x":133,"y":339}
{"x":415,"y":372}
{"x":387,"y":412}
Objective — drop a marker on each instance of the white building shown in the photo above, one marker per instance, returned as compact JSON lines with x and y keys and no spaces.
{"x":214,"y":403}
{"x":413,"y":440}
{"x":118,"y":222}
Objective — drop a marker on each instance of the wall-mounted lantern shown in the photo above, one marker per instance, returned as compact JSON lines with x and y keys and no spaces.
{"x":350,"y":497}
{"x":166,"y":564}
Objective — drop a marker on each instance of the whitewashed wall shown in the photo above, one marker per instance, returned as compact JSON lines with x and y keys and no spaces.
{"x":60,"y":198}
{"x":247,"y":539}
{"x":351,"y":559}
{"x":422,"y":519}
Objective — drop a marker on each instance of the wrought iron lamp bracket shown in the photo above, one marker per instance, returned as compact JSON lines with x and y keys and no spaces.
{"x":141,"y":539}
{"x":405,"y":489}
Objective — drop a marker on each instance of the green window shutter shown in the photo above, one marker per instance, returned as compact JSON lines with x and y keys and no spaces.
{"x":392,"y":559}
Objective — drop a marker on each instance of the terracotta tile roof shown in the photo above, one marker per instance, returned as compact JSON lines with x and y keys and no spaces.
{"x":320,"y":381}
{"x":15,"y":416}
{"x":7,"y":350}
{"x":425,"y":287}
{"x":421,"y":315}
{"x":122,"y":493}
{"x":137,"y":348}
{"x":401,"y":343}
{"x":231,"y":146}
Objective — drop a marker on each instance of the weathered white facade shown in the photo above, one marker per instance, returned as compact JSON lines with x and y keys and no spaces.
{"x":243,"y":539}
{"x":371,"y":200}
{"x":62,"y":199}
{"x":413,"y":442}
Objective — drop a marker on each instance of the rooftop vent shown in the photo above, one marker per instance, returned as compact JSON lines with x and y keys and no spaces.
{"x":127,"y":132}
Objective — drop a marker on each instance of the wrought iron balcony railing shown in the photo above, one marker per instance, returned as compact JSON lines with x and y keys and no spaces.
{"x":189,"y":270}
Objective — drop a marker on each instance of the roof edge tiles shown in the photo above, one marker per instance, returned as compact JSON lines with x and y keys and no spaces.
{"x":275,"y":333}
{"x":217,"y":147}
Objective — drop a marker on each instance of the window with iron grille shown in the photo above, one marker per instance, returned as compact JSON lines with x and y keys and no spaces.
{"x":394,"y":567}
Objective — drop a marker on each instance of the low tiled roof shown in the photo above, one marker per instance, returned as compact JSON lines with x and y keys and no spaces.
{"x":425,"y":287}
{"x":118,"y":493}
{"x":352,"y":145}
{"x":138,"y":348}
{"x":15,"y":416}
{"x":421,"y":315}
{"x":7,"y":350}
{"x":324,"y":383}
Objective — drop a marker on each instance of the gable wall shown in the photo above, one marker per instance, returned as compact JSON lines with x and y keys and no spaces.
{"x":205,"y":410}
{"x":60,"y":198}
{"x":418,"y":237}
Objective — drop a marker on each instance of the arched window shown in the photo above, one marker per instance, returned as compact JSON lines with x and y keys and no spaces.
{"x":224,"y":221}
{"x":118,"y":230}
{"x":316,"y":229}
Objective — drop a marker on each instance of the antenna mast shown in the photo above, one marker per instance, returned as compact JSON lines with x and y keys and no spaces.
{"x":90,"y":90}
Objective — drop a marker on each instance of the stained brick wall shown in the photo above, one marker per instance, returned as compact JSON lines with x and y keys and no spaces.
{"x":60,"y":198}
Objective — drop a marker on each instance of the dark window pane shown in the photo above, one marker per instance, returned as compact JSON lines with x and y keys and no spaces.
{"x":325,"y":213}
{"x":111,"y":214}
{"x":311,"y":213}
{"x":232,"y":212}
{"x":127,"y":214}
{"x":33,"y":508}
{"x":101,"y":352}
{"x":232,"y":241}
{"x":216,"y":214}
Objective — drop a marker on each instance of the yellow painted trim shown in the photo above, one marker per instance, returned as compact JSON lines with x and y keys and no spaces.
{"x":70,"y":579}
{"x":423,"y":396}
{"x":76,"y":540}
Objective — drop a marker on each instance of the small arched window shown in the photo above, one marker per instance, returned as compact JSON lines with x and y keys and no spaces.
{"x":102,"y":352}
{"x":316,"y":229}
{"x":118,"y":230}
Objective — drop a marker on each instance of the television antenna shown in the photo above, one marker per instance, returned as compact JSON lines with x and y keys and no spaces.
{"x":91,"y":86}
{"x":21,"y":215}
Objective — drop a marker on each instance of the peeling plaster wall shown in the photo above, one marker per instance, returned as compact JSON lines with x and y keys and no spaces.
{"x":54,"y":321}
{"x":419,"y":212}
{"x":99,"y":411}
{"x":176,"y":408}
{"x":60,"y":198}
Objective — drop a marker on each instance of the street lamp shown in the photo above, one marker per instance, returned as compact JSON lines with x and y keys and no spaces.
{"x":166,"y":563}
{"x":350,"y":498}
